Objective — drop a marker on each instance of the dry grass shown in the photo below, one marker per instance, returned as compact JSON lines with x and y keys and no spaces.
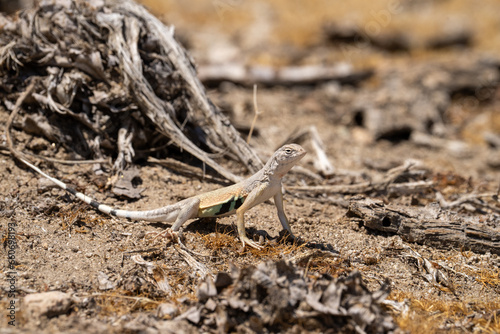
{"x":222,"y":242}
{"x":216,"y":241}
{"x":334,"y":267}
{"x":219,"y":243}
{"x":463,"y":314}
{"x":489,"y":277}
{"x":117,"y":303}
{"x":433,"y":316}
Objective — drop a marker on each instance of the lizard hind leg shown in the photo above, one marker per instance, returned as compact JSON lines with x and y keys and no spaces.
{"x":188,"y":211}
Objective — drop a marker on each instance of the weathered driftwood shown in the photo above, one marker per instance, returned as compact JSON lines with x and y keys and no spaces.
{"x":429,"y":225}
{"x":185,"y":169}
{"x":366,"y":187}
{"x":112,"y":79}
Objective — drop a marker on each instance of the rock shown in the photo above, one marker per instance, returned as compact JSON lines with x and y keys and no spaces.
{"x":166,"y":310}
{"x":104,"y":282}
{"x":49,"y":304}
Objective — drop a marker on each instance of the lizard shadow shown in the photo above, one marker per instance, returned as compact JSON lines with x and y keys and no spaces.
{"x":206,"y":226}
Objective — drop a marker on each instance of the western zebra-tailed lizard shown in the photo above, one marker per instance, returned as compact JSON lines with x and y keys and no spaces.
{"x":235,"y":199}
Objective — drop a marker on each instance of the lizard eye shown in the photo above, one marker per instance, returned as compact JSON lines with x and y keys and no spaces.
{"x":288,"y":151}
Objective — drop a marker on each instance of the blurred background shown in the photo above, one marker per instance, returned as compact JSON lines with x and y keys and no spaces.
{"x":401,"y":68}
{"x":435,"y":46}
{"x":281,"y":32}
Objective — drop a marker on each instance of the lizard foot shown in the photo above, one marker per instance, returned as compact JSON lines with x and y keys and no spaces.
{"x":250,"y":243}
{"x":168,"y":233}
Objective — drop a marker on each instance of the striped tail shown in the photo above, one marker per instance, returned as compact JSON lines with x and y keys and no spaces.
{"x":101,"y":207}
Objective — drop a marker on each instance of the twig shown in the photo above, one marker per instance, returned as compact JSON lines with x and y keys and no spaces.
{"x":185,"y":169}
{"x":256,"y":113}
{"x":191,"y":261}
{"x":456,"y":147}
{"x":321,"y":163}
{"x":292,"y":75}
{"x":68,"y":162}
{"x":386,"y":184}
{"x":13,"y":114}
{"x":100,"y":294}
{"x":473,"y":199}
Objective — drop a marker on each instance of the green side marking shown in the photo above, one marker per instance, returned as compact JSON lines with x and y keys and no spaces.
{"x":230,"y":205}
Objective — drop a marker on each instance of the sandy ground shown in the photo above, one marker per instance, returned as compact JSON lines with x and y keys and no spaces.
{"x":64,"y":244}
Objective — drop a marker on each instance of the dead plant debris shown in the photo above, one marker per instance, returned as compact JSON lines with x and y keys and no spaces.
{"x":110,"y":80}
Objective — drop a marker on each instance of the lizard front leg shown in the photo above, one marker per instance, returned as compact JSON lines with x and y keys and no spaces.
{"x":240,"y":219}
{"x":240,"y":223}
{"x":278,"y":202}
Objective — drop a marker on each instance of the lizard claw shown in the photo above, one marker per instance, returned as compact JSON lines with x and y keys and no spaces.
{"x":168,"y":233}
{"x":251,"y":243}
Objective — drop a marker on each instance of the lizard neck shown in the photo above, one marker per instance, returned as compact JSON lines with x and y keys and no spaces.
{"x":273,"y":171}
{"x":270,"y":173}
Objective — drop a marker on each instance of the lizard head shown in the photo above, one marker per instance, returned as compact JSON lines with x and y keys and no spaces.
{"x":284,"y":159}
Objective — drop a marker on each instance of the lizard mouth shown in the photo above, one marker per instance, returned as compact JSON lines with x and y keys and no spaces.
{"x":291,"y":162}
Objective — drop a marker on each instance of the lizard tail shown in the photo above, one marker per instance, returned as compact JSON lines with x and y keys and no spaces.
{"x":164,"y":214}
{"x":101,"y":207}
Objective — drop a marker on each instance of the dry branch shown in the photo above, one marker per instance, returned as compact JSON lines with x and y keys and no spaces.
{"x":286,"y":76}
{"x":386,"y":184}
{"x":456,"y":147}
{"x":474,"y":200}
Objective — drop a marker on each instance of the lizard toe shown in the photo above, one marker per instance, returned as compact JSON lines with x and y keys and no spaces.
{"x":252,"y":244}
{"x":168,"y":233}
